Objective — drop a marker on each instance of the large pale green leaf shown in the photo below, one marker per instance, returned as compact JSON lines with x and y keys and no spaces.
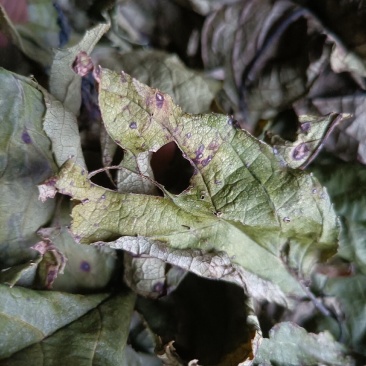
{"x":28,"y":316}
{"x":242,"y":199}
{"x":289,"y":344}
{"x":97,"y":338}
{"x":25,"y":161}
{"x":65,"y":84}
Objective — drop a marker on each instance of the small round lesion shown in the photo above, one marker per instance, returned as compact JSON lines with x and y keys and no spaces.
{"x":85,"y":266}
{"x":159,"y":100}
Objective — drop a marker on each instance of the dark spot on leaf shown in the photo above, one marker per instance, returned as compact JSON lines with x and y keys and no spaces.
{"x":158,"y":287}
{"x":26,"y":138}
{"x":314,"y":191}
{"x":159,"y":100}
{"x":286,"y":219}
{"x":218,"y":213}
{"x":85,"y":266}
{"x":305,"y":127}
{"x":206,"y":161}
{"x":103,"y":197}
{"x":85,"y":201}
{"x":218,"y":182}
{"x":301,"y":151}
{"x":188,"y":135}
{"x":214,"y":145}
{"x":133,"y":125}
{"x":233,"y":122}
{"x":200,"y":149}
{"x":199,"y":154}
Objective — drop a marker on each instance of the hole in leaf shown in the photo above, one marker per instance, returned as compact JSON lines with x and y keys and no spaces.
{"x":171,"y":169}
{"x":207,"y":320}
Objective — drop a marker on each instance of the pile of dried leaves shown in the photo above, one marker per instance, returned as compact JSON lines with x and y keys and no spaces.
{"x":183,"y":182}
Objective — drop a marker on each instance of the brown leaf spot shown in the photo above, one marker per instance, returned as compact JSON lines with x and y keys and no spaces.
{"x":85,"y":266}
{"x":82,"y":64}
{"x":206,"y":161}
{"x":305,"y":127}
{"x":159,"y":100}
{"x":26,"y":138}
{"x":301,"y":151}
{"x":233,"y":122}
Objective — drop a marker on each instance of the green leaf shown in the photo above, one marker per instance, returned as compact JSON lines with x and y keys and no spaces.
{"x":343,"y":181}
{"x":346,"y":30}
{"x":142,"y":344}
{"x":38,"y":35}
{"x":267,"y":51}
{"x":21,"y":274}
{"x":65,"y":84}
{"x":150,"y":276}
{"x":61,"y":127}
{"x":28,"y":316}
{"x":87,"y":268}
{"x":25,"y":161}
{"x":136,"y":175}
{"x":242,"y":199}
{"x":289,"y":344}
{"x":350,"y":294}
{"x":98,"y":338}
{"x":166,"y":72}
{"x":310,"y":138}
